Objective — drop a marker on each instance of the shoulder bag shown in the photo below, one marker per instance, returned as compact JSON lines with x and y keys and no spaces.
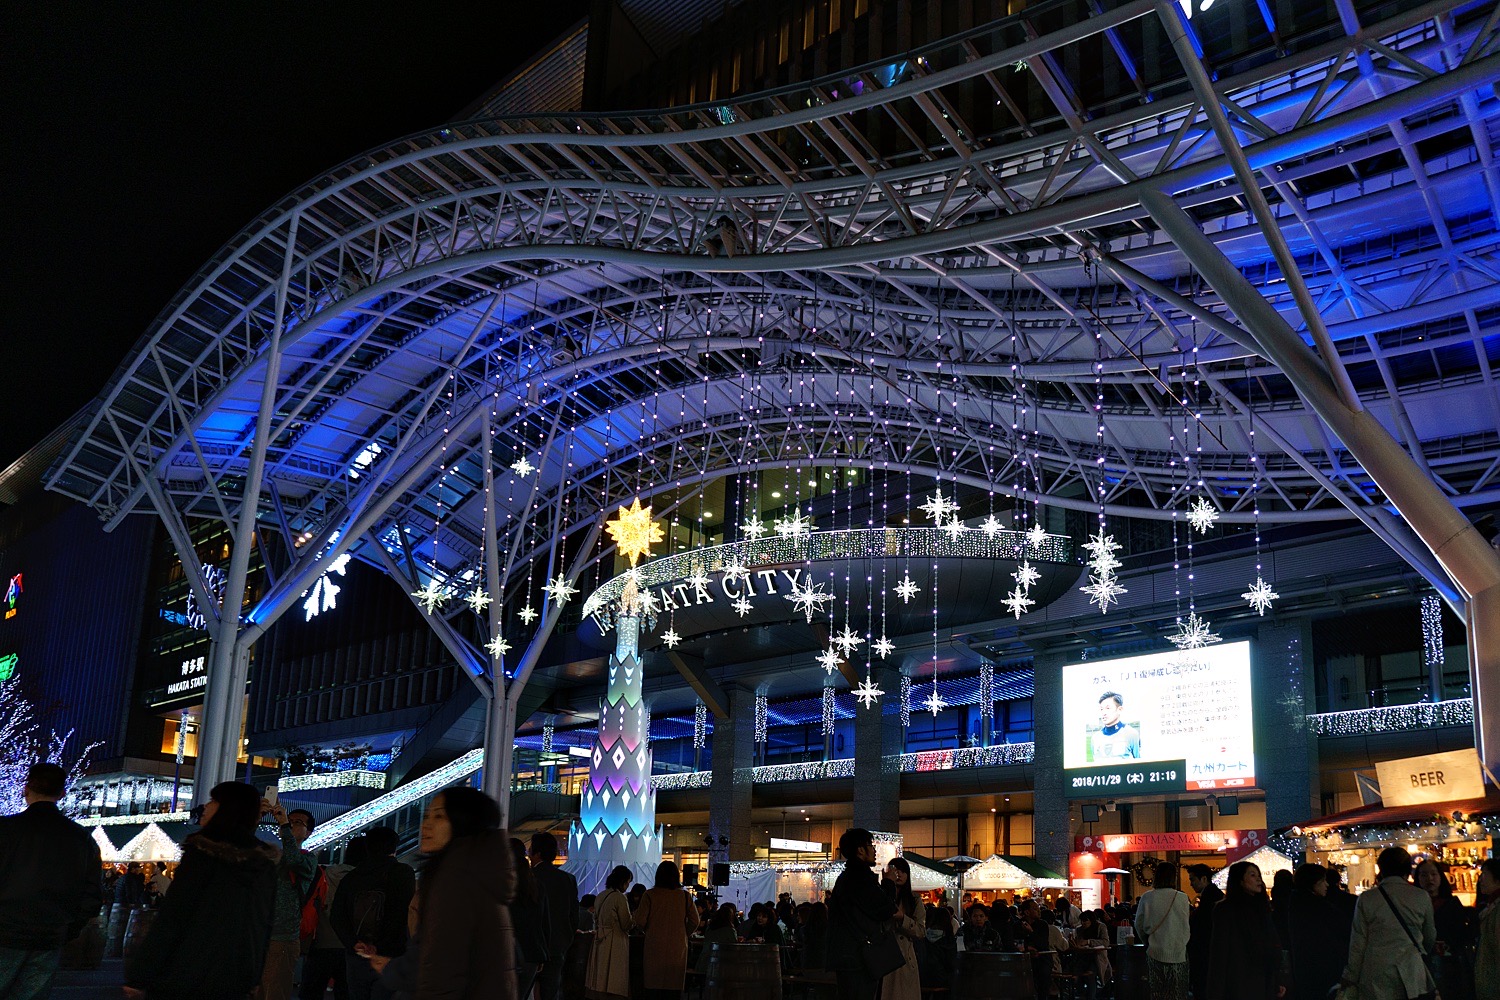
{"x":880,"y":954}
{"x":1421,"y":952}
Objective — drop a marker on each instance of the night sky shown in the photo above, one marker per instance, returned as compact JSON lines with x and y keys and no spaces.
{"x":141,"y":137}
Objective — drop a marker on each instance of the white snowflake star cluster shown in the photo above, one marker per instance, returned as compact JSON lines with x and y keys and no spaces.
{"x":1193,"y":633}
{"x":809,"y":597}
{"x":1103,"y":588}
{"x":867,"y":693}
{"x":1260,"y":595}
{"x":1202,"y":515}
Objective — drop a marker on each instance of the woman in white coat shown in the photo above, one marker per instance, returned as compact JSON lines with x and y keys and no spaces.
{"x":911,"y":926}
{"x":609,"y":965}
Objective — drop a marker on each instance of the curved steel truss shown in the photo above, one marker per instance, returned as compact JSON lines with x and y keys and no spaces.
{"x":908,"y":271}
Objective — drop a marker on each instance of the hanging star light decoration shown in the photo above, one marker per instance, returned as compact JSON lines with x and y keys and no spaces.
{"x":498,"y":647}
{"x":1036,"y":536}
{"x":477,"y":600}
{"x":646,"y":604}
{"x":934,"y":702}
{"x":1193,"y":633}
{"x":1101,"y":549}
{"x":753,"y":528}
{"x":907,"y":588}
{"x":882,"y":647}
{"x":560,"y":589}
{"x":990,"y":526}
{"x":670,"y":638}
{"x":796,"y":526}
{"x":1202,"y":515}
{"x":698,"y":581}
{"x":1018,"y":602}
{"x":1026,"y":575}
{"x":809,"y":597}
{"x":955,"y":529}
{"x":633,"y":531}
{"x":1260,"y":595}
{"x":522,"y":467}
{"x":734,"y":571}
{"x":938,"y":507}
{"x":431,"y":597}
{"x":867,"y":693}
{"x":743,"y":607}
{"x":848,"y":640}
{"x":527,"y":614}
{"x":829,"y":659}
{"x":1103,"y":590}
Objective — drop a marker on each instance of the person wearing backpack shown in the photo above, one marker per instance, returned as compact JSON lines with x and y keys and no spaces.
{"x":370,"y":909}
{"x":323,"y":962}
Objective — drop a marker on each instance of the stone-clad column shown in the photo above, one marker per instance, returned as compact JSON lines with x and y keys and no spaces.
{"x":732,"y":748}
{"x":1286,"y":751}
{"x":877,"y":757}
{"x":1052,"y":826}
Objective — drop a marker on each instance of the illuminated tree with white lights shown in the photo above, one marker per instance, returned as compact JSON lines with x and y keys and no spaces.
{"x":23,"y":744}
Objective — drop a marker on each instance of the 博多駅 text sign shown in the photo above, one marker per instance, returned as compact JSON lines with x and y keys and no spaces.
{"x":1438,"y":777}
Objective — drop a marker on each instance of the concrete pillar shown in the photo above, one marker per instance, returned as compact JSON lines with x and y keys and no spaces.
{"x":733,"y":753}
{"x":1052,"y":825}
{"x":1286,"y":751}
{"x":877,"y":759}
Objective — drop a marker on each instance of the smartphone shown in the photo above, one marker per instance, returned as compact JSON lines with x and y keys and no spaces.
{"x":271,"y":794}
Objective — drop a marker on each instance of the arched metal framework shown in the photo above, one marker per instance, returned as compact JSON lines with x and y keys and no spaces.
{"x":881,"y":269}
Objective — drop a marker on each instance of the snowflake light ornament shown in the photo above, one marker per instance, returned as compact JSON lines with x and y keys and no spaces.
{"x":938,"y":507}
{"x":1193,"y":633}
{"x":809,"y":597}
{"x":829,"y":659}
{"x":907,"y":588}
{"x":431,"y":597}
{"x":867,"y":693}
{"x":522,"y":467}
{"x":743,"y":607}
{"x":1101,"y":549}
{"x":477,"y":600}
{"x":560,"y":589}
{"x":527,"y":614}
{"x":990,"y":526}
{"x":1026,"y":575}
{"x":1103,"y":590}
{"x":498,"y":647}
{"x":753,"y":528}
{"x":848,"y":640}
{"x":1036,"y":536}
{"x":934,"y":702}
{"x":734,"y":570}
{"x":1018,"y":602}
{"x":670,"y":638}
{"x":1202,"y":515}
{"x":1260,"y":595}
{"x":698,"y":581}
{"x":955,"y":528}
{"x":882,"y":647}
{"x":634,"y":531}
{"x":796,"y":526}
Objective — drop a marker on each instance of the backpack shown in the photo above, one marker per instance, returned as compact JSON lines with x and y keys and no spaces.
{"x":313,"y":901}
{"x":369,"y":915}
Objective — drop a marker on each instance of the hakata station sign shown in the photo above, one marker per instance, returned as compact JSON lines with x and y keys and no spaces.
{"x":1440,"y":777}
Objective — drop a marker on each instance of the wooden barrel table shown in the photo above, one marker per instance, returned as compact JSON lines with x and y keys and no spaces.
{"x":743,"y":972}
{"x":993,"y":975}
{"x":141,"y":920}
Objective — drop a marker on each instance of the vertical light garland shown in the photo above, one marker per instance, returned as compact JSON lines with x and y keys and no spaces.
{"x":828,"y":710}
{"x":700,"y":725}
{"x":905,"y":702}
{"x":986,"y":690}
{"x":547,"y":731}
{"x":760,"y":717}
{"x":1432,"y":634}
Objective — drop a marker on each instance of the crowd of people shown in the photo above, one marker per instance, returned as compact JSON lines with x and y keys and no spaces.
{"x":492,"y":917}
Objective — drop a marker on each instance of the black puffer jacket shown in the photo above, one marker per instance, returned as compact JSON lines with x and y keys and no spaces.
{"x":210,"y":936}
{"x":49,"y":878}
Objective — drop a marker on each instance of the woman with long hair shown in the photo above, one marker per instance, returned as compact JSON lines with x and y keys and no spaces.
{"x":911,"y":926}
{"x":1487,"y":949}
{"x":213,"y":930}
{"x":1245,"y":958}
{"x":720,"y":930}
{"x":1454,"y":962}
{"x":467,"y":947}
{"x":609,"y":965}
{"x":530,"y":916}
{"x":667,"y":916}
{"x":1317,"y":947}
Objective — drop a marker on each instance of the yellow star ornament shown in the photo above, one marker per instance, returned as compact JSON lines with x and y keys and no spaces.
{"x":634,"y":531}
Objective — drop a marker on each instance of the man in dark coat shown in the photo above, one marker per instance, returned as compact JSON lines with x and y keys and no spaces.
{"x":1201,"y":926}
{"x":857,"y":909}
{"x":212,"y":932}
{"x":560,"y":891}
{"x":370,"y":908}
{"x":49,"y":885}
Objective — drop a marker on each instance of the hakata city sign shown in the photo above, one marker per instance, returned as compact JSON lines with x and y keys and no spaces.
{"x":1148,"y":843}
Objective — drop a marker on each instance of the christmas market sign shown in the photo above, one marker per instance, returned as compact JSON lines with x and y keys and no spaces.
{"x":1439,"y":777}
{"x":1229,"y":841}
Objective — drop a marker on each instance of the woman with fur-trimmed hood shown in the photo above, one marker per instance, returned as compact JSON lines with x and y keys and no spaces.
{"x":210,"y":936}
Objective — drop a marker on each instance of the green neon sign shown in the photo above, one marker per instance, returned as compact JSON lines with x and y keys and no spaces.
{"x":8,"y":666}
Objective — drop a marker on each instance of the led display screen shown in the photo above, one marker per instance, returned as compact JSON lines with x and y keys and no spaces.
{"x":1163,"y":722}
